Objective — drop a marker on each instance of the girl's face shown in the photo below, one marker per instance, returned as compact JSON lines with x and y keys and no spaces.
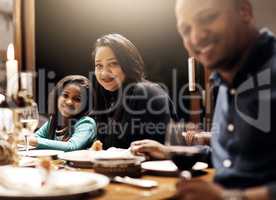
{"x":70,"y":101}
{"x":108,"y":72}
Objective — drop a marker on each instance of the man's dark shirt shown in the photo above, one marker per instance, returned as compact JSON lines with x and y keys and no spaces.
{"x":244,"y":137}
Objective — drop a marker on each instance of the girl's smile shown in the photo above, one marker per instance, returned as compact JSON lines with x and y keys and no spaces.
{"x":69,"y":102}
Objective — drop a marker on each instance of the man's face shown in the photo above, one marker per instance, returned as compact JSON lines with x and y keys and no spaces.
{"x":211,"y":30}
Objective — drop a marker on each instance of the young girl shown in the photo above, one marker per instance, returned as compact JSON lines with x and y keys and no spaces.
{"x":69,"y":128}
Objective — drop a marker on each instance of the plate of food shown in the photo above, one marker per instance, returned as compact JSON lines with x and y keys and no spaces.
{"x":34,"y":183}
{"x":87,"y":158}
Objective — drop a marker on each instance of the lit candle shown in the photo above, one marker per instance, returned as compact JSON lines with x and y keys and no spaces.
{"x":191,"y":69}
{"x":12,"y":72}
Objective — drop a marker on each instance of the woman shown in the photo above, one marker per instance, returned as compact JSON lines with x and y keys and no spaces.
{"x":69,"y":127}
{"x":125,"y":105}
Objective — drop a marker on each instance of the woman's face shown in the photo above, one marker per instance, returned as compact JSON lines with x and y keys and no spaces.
{"x":70,"y":101}
{"x":108,"y":71}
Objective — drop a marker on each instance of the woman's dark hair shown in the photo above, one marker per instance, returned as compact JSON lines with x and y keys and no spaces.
{"x":85,"y":89}
{"x":126,"y":53}
{"x":132,"y":65}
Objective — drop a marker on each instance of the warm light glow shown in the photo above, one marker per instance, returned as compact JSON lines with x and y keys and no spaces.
{"x":10,"y":52}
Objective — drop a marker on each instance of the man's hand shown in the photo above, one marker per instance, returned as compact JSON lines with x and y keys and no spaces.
{"x":196,"y":189}
{"x":197,"y":138}
{"x":150,"y":148}
{"x":156,"y":150}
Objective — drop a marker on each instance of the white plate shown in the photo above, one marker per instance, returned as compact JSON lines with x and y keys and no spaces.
{"x":167,"y":166}
{"x":77,"y":156}
{"x":40,"y":153}
{"x":160,"y":166}
{"x":88,"y":156}
{"x":116,"y":154}
{"x":27,"y":161}
{"x":26,"y":182}
{"x":200,"y":166}
{"x":81,"y":158}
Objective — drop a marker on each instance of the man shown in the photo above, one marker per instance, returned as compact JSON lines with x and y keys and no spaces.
{"x":222,"y":36}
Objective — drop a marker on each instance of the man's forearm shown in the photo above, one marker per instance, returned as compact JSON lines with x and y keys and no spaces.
{"x":259,"y":193}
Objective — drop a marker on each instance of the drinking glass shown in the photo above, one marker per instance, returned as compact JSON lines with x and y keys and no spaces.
{"x":29,"y":121}
{"x":182,"y":155}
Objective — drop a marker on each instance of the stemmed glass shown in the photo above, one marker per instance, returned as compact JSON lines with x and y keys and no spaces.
{"x":180,"y":133}
{"x":174,"y":134}
{"x":182,"y":155}
{"x":29,"y":121}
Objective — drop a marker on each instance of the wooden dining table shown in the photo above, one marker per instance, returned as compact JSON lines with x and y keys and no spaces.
{"x":166,"y":188}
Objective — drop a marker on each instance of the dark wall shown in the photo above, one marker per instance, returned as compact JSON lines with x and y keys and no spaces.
{"x":67,"y":29}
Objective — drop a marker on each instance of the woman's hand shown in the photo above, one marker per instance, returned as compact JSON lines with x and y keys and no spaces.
{"x":32,"y":140}
{"x":150,"y":148}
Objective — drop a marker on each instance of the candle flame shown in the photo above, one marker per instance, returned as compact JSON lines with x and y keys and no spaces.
{"x":10,"y":52}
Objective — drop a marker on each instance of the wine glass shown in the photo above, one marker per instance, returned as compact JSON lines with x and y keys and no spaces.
{"x":29,"y":121}
{"x":183,"y":156}
{"x":174,"y":136}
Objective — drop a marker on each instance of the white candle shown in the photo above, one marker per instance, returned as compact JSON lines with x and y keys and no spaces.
{"x":12,"y":72}
{"x":191,"y":69}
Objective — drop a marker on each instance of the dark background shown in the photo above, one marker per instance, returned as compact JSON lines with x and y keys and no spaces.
{"x":67,"y":29}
